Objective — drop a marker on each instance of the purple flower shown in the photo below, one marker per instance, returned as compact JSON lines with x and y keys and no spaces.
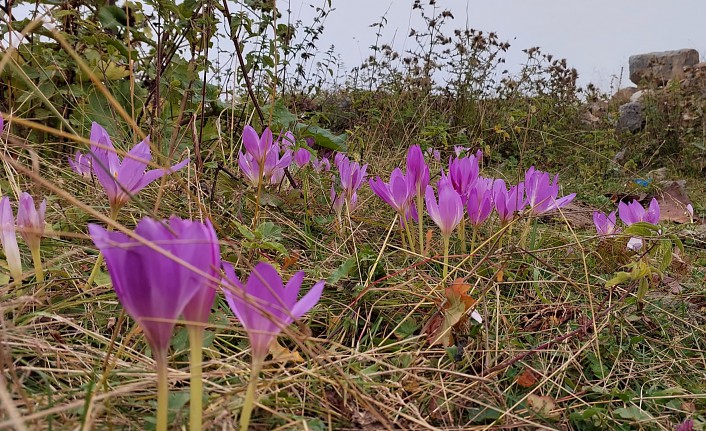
{"x":508,"y":202}
{"x":463,"y":172}
{"x":459,"y":149}
{"x":398,"y":193}
{"x":8,"y":236}
{"x":417,"y":169}
{"x":157,"y":276}
{"x":634,"y":212}
{"x":261,"y":158}
{"x":2,"y":124}
{"x":30,"y":221}
{"x":287,"y":141}
{"x":352,"y":176}
{"x":605,"y":224}
{"x":448,"y":212}
{"x":321,"y":165}
{"x":433,"y":153}
{"x":122,"y":179}
{"x":257,"y":146}
{"x":542,"y":193}
{"x":687,"y":425}
{"x":480,"y":200}
{"x":81,"y":164}
{"x":302,"y":157}
{"x":265,"y":306}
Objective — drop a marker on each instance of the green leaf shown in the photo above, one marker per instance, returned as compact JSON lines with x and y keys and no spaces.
{"x":324,"y":137}
{"x":620,"y":278}
{"x":642,"y":229}
{"x":281,"y":117}
{"x":342,"y":271}
{"x":633,"y":413}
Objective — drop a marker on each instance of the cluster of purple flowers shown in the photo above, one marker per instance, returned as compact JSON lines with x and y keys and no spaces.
{"x":629,"y":213}
{"x":264,"y":158}
{"x":464,"y":194}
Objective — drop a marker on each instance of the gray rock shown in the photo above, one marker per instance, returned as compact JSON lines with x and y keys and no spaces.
{"x":631,"y":118}
{"x":659,"y":67}
{"x":637,"y":97}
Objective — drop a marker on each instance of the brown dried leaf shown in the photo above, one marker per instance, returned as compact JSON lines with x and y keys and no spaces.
{"x":282,"y":354}
{"x":290,"y":260}
{"x":543,"y":405}
{"x":527,"y":378}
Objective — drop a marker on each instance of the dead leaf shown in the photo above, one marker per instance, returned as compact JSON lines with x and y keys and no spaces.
{"x":282,"y":354}
{"x":543,"y":405}
{"x":499,"y":276}
{"x":527,"y":378}
{"x":672,"y":284}
{"x":672,"y":200}
{"x":290,"y":260}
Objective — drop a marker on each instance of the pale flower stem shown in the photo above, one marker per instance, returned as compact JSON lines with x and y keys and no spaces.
{"x":258,"y":195}
{"x":446,"y":257}
{"x":99,"y":260}
{"x":473,"y":244}
{"x":37,"y":260}
{"x":250,"y":395}
{"x":162,"y":391}
{"x":420,"y":217}
{"x":195,"y":376}
{"x":409,"y":233}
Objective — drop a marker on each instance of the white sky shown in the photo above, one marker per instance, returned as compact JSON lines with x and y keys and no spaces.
{"x":595,"y":36}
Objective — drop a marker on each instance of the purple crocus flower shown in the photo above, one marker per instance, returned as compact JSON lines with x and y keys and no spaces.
{"x":321,"y":165}
{"x":30,"y":221}
{"x":287,"y":141}
{"x":508,"y":202}
{"x":398,"y":193}
{"x":463,"y":172}
{"x":122,"y":179}
{"x":352,"y":176}
{"x":8,"y":236}
{"x":605,"y":224}
{"x":81,"y":164}
{"x":265,"y":306}
{"x":2,"y":124}
{"x":480,"y":200}
{"x":302,"y":156}
{"x":157,"y":276}
{"x":634,"y":212}
{"x":448,"y":211}
{"x":417,"y":169}
{"x":542,"y":193}
{"x":433,"y":153}
{"x":261,"y":158}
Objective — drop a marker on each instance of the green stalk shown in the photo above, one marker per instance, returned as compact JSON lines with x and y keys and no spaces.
{"x":99,"y":260}
{"x":196,"y":382}
{"x":250,"y":395}
{"x":446,"y":257}
{"x":473,"y":242}
{"x":409,"y":233}
{"x":420,"y":217}
{"x":37,"y":260}
{"x":162,"y":391}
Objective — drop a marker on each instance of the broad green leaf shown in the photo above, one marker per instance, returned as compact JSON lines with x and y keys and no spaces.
{"x":324,"y":137}
{"x":620,"y":278}
{"x":632,"y":413}
{"x":342,"y":271}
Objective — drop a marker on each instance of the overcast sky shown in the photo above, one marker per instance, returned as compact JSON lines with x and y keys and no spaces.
{"x":595,"y":36}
